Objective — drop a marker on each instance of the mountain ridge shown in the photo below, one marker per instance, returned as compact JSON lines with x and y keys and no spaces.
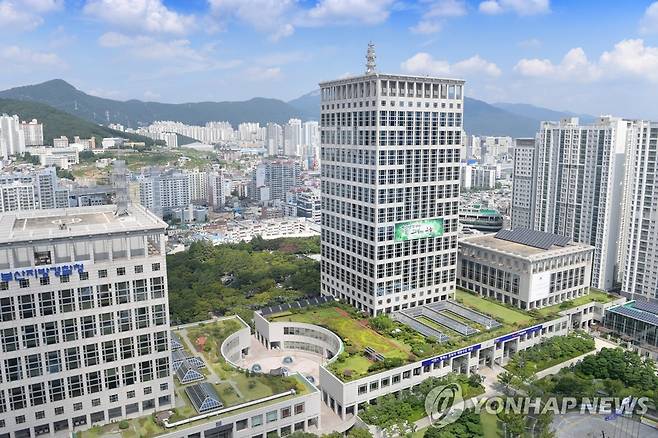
{"x":480,"y":118}
{"x":57,"y":122}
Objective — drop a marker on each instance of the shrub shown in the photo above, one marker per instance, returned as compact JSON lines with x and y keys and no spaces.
{"x":123,"y":425}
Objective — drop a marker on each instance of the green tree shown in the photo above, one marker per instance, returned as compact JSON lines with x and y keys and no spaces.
{"x":359,"y":433}
{"x":505,"y":378}
{"x":468,"y":425}
{"x":514,"y":423}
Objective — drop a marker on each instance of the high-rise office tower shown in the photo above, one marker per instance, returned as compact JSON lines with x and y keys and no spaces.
{"x":390,"y":151}
{"x":639,"y":257}
{"x":579,"y":179}
{"x":83,"y":319}
{"x":523,"y":183}
{"x":311,"y":144}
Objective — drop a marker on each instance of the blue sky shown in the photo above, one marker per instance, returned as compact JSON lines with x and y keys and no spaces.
{"x":597,"y":57}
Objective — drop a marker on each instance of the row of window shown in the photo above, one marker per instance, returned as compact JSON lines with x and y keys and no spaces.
{"x":85,"y":327}
{"x":84,"y":298}
{"x":56,"y":390}
{"x":24,"y":283}
{"x":72,"y":358}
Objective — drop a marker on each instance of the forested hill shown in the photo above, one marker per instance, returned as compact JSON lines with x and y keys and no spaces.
{"x":241,"y":278}
{"x":57,"y":123}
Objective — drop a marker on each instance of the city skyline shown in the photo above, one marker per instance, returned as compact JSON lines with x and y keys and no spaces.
{"x":548,"y":53}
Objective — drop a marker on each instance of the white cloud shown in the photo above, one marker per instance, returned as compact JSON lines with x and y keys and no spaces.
{"x":426,"y":27}
{"x":424,"y":63}
{"x":25,"y":14}
{"x":44,"y":5}
{"x":147,"y":47}
{"x":146,"y":15}
{"x":437,"y":10}
{"x":349,"y":11}
{"x":628,"y":58}
{"x":574,"y":66}
{"x":279,"y":18}
{"x":520,"y":7}
{"x":27,"y":59}
{"x":649,"y":22}
{"x":263,"y":73}
{"x":632,"y":57}
{"x":267,"y":16}
{"x":177,"y":55}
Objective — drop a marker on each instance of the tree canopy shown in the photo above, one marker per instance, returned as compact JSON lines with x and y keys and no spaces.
{"x":237,"y":279}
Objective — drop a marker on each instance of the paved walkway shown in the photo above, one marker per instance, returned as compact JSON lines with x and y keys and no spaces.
{"x":212,"y":376}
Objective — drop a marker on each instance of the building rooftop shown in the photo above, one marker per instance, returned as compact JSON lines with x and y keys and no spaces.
{"x":400,"y":77}
{"x":639,"y":310}
{"x":531,"y":246}
{"x":78,"y":221}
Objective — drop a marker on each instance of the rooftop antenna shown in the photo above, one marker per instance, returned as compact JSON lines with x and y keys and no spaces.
{"x":371,"y":59}
{"x":120,"y":183}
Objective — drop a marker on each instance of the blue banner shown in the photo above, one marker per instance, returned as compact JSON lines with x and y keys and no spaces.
{"x":452,"y":354}
{"x":42,"y":272}
{"x":527,"y":331}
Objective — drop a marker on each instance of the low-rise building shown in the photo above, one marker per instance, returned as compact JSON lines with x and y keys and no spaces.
{"x":635,"y":322}
{"x":527,"y":269}
{"x":62,"y":157}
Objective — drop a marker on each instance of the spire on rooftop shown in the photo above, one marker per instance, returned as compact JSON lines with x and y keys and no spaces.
{"x":371,"y":58}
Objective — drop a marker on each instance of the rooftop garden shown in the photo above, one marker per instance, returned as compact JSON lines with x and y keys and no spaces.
{"x":400,"y":344}
{"x":233,"y":386}
{"x":594,"y":295}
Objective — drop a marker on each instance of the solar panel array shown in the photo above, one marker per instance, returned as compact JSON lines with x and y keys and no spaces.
{"x":536,"y":239}
{"x":465,"y":312}
{"x":204,"y":397}
{"x":296,"y":305}
{"x":421,"y":328}
{"x":452,"y":324}
{"x":647,"y":306}
{"x":636,"y":314}
{"x":444,"y":320}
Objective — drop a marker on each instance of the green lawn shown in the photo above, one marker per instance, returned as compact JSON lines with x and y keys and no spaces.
{"x":351,"y":331}
{"x":594,"y":295}
{"x":490,"y":425}
{"x":498,"y":311}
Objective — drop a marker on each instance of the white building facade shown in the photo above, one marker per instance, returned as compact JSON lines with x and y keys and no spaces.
{"x":12,"y":138}
{"x":523,"y":183}
{"x":390,"y":189}
{"x":639,"y":233}
{"x":578,"y":177}
{"x":522,"y":275}
{"x":33,"y":132}
{"x":83,"y":319}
